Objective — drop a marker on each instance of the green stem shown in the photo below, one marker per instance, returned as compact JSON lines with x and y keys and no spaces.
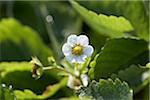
{"x":58,"y":68}
{"x":55,"y":44}
{"x":9,"y":10}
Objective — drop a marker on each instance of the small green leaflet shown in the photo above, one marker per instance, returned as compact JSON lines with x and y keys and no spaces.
{"x":6,"y":93}
{"x":107,"y":90}
{"x":136,"y":76}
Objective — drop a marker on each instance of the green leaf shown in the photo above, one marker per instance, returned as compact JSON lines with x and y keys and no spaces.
{"x":20,"y":42}
{"x":70,"y":98}
{"x":26,"y":95}
{"x":118,"y":54}
{"x":135,"y":11}
{"x":19,"y":75}
{"x":137,"y":77}
{"x":6,"y":93}
{"x":50,"y":90}
{"x":107,"y":90}
{"x":111,"y":26}
{"x":24,"y":9}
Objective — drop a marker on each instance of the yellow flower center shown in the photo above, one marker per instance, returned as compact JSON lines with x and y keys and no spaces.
{"x":77,"y":50}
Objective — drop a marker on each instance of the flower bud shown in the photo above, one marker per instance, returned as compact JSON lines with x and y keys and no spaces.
{"x":52,"y":61}
{"x":73,"y":83}
{"x":37,"y":69}
{"x":84,"y":79}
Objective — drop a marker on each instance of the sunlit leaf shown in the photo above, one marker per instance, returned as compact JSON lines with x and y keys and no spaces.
{"x":50,"y":90}
{"x":26,"y":95}
{"x":136,"y":11}
{"x":20,"y":42}
{"x":111,"y":26}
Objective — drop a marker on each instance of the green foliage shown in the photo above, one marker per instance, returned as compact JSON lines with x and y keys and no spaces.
{"x":135,"y":11}
{"x":111,"y":26}
{"x":118,"y":30}
{"x":118,"y":54}
{"x":26,"y":95}
{"x":6,"y":93}
{"x":19,"y":75}
{"x":106,"y":90}
{"x":72,"y":25}
{"x":137,"y":77}
{"x":20,"y":42}
{"x":22,"y":10}
{"x":93,"y":63}
{"x":50,"y":90}
{"x":143,"y":94}
{"x":148,"y":65}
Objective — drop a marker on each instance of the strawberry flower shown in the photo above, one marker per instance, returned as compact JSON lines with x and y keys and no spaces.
{"x":77,"y":48}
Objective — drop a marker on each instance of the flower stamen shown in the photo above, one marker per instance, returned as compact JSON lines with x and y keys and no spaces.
{"x":77,"y":50}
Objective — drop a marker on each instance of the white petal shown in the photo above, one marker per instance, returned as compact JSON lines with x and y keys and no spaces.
{"x":88,"y":50}
{"x":80,"y":59}
{"x":66,"y":49}
{"x":83,"y":40}
{"x":70,"y":82}
{"x":70,"y":58}
{"x":72,"y":40}
{"x":84,"y":79}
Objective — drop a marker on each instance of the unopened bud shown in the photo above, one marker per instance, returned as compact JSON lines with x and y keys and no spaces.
{"x":74,"y":83}
{"x":37,"y":69}
{"x":52,"y":61}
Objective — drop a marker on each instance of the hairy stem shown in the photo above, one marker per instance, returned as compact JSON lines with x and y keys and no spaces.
{"x":55,"y":44}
